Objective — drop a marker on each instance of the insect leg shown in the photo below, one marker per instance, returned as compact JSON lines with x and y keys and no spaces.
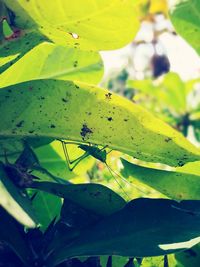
{"x":76,"y":161}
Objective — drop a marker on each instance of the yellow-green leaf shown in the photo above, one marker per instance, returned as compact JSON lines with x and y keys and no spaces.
{"x":85,"y":113}
{"x":89,"y":24}
{"x":176,"y":185}
{"x":54,"y":62}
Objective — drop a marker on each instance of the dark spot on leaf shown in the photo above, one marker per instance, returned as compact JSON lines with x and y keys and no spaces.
{"x":53,"y":126}
{"x":20,"y":124}
{"x":75,"y":64}
{"x":31,"y":131}
{"x":64,"y":100}
{"x":77,"y":86}
{"x":181,"y":163}
{"x":125,"y":119}
{"x":110,"y":118}
{"x":96,"y":194}
{"x":85,"y":131}
{"x":108,"y":95}
{"x":168,"y":139}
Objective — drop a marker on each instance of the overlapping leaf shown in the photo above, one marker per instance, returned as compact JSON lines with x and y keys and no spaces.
{"x":47,"y":60}
{"x":138,"y":231}
{"x":94,"y":197}
{"x":96,"y":25}
{"x":85,"y":113}
{"x":176,"y":185}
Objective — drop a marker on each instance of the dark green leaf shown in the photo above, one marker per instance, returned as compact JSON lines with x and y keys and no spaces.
{"x":144,"y":227}
{"x":93,"y":197}
{"x":91,"y":25}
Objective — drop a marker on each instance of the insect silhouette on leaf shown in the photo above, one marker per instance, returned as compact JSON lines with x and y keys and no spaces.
{"x":99,"y":154}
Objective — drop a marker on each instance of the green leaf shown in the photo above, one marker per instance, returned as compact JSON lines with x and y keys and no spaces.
{"x":144,"y":227}
{"x":94,"y":197}
{"x":85,"y":113}
{"x":185,"y":16}
{"x":12,"y":51}
{"x":176,"y":185}
{"x":90,"y":25}
{"x":54,"y":62}
{"x":12,"y":200}
{"x":47,"y":207}
{"x":13,"y":234}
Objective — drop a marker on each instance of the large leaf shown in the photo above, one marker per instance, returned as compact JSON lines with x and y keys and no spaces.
{"x":144,"y":227}
{"x":96,"y":25}
{"x":52,"y":61}
{"x":94,"y":197}
{"x":175,"y":185}
{"x":84,"y":113}
{"x":185,"y":15}
{"x":13,"y":201}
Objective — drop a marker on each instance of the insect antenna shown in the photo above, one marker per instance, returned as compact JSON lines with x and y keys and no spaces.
{"x":111,"y":172}
{"x":123,"y":179}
